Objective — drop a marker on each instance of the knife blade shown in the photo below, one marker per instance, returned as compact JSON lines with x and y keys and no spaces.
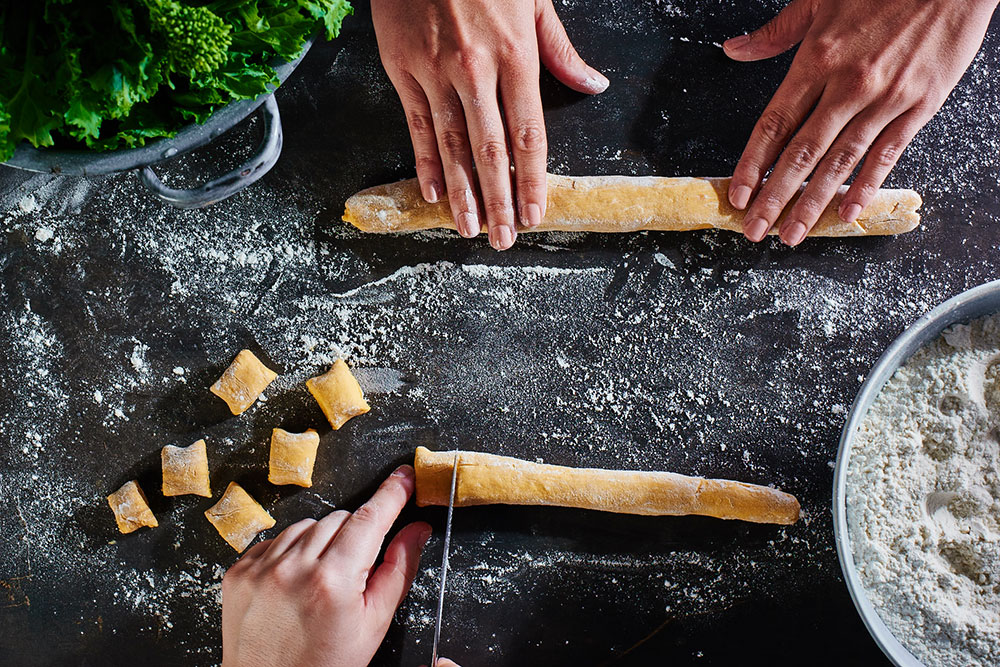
{"x":444,"y":564}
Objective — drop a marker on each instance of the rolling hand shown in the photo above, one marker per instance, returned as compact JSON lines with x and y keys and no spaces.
{"x":467,"y":74}
{"x":867,"y":76}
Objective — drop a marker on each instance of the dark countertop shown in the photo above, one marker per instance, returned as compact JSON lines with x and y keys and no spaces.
{"x":699,"y":353}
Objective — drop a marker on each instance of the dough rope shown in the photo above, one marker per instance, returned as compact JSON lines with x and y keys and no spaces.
{"x":628,"y":204}
{"x":486,"y":479}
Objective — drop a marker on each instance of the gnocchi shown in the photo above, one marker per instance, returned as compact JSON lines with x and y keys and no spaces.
{"x":338,"y":394}
{"x":243,"y":382}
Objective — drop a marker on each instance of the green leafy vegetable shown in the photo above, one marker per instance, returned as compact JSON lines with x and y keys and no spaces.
{"x":197,"y":40}
{"x":117,"y":73}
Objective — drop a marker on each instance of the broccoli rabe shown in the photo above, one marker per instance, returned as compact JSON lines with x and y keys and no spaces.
{"x":196,"y":39}
{"x":118,"y":73}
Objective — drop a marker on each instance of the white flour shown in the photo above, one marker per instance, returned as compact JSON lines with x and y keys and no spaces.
{"x":924,"y":499}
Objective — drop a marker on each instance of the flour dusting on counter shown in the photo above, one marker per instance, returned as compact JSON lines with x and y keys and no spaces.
{"x":646,"y":362}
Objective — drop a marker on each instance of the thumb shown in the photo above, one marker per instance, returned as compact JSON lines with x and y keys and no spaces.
{"x":390,"y":582}
{"x":776,"y":36}
{"x":559,"y":55}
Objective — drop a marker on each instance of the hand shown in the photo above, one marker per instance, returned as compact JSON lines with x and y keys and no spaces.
{"x":467,"y":74}
{"x":867,"y":76}
{"x":312,"y":596}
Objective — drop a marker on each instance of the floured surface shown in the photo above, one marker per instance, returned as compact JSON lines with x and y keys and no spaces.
{"x":672,"y":357}
{"x":924,"y":499}
{"x":696,"y":353}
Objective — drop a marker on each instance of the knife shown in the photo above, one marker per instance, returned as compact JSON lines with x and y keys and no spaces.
{"x":444,"y":564}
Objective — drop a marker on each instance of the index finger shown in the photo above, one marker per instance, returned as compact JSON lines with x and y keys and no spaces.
{"x":358,"y":543}
{"x":778,"y":122}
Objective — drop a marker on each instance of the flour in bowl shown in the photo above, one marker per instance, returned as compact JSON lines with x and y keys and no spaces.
{"x":923,"y":499}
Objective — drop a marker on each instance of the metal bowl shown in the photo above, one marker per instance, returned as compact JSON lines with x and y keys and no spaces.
{"x":89,"y":163}
{"x":975,"y":303}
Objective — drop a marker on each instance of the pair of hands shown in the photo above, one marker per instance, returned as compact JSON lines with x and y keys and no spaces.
{"x":867,"y":76}
{"x":313,"y":596}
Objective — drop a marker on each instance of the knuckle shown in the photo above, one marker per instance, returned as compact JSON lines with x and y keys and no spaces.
{"x":283,"y":572}
{"x":392,"y":61}
{"x":803,"y":154}
{"x":492,"y":154}
{"x":367,"y":513}
{"x":469,"y":62}
{"x":768,"y":33}
{"x":776,"y":124}
{"x":529,"y":137}
{"x":841,"y":161}
{"x":885,"y":156}
{"x":747,"y":171}
{"x":896,"y":96}
{"x":512,"y":53}
{"x":824,"y":53}
{"x":420,"y":124}
{"x":453,"y":142}
{"x":426,"y":163}
{"x":531,"y":183}
{"x":459,"y":194}
{"x":865,"y":191}
{"x":809,"y":206}
{"x":860,"y":80}
{"x":564,"y":50}
{"x":928,"y":103}
{"x":772,"y":202}
{"x":498,"y":208}
{"x":323,"y":582}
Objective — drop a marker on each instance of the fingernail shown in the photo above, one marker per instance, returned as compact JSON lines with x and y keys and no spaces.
{"x":433,"y":192}
{"x":793,"y":233}
{"x":502,"y":237}
{"x":740,"y":196}
{"x":531,"y":215}
{"x":403,"y":471}
{"x":596,"y":82}
{"x":756,"y":229}
{"x":851,"y":212}
{"x":468,"y":225}
{"x":736,"y":42}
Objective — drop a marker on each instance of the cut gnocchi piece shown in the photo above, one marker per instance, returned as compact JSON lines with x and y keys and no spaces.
{"x":242,"y":383}
{"x":238,"y":517}
{"x":292,"y":457}
{"x":185,"y":470}
{"x":338,"y":394}
{"x":131,"y":508}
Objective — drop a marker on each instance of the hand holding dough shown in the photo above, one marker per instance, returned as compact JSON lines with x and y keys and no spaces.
{"x":485,"y":479}
{"x":628,"y":204}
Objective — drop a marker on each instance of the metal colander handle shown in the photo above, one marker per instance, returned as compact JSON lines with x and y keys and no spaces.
{"x":232,"y":182}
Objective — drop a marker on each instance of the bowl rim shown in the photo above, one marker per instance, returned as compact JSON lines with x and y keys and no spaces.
{"x":979,"y":301}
